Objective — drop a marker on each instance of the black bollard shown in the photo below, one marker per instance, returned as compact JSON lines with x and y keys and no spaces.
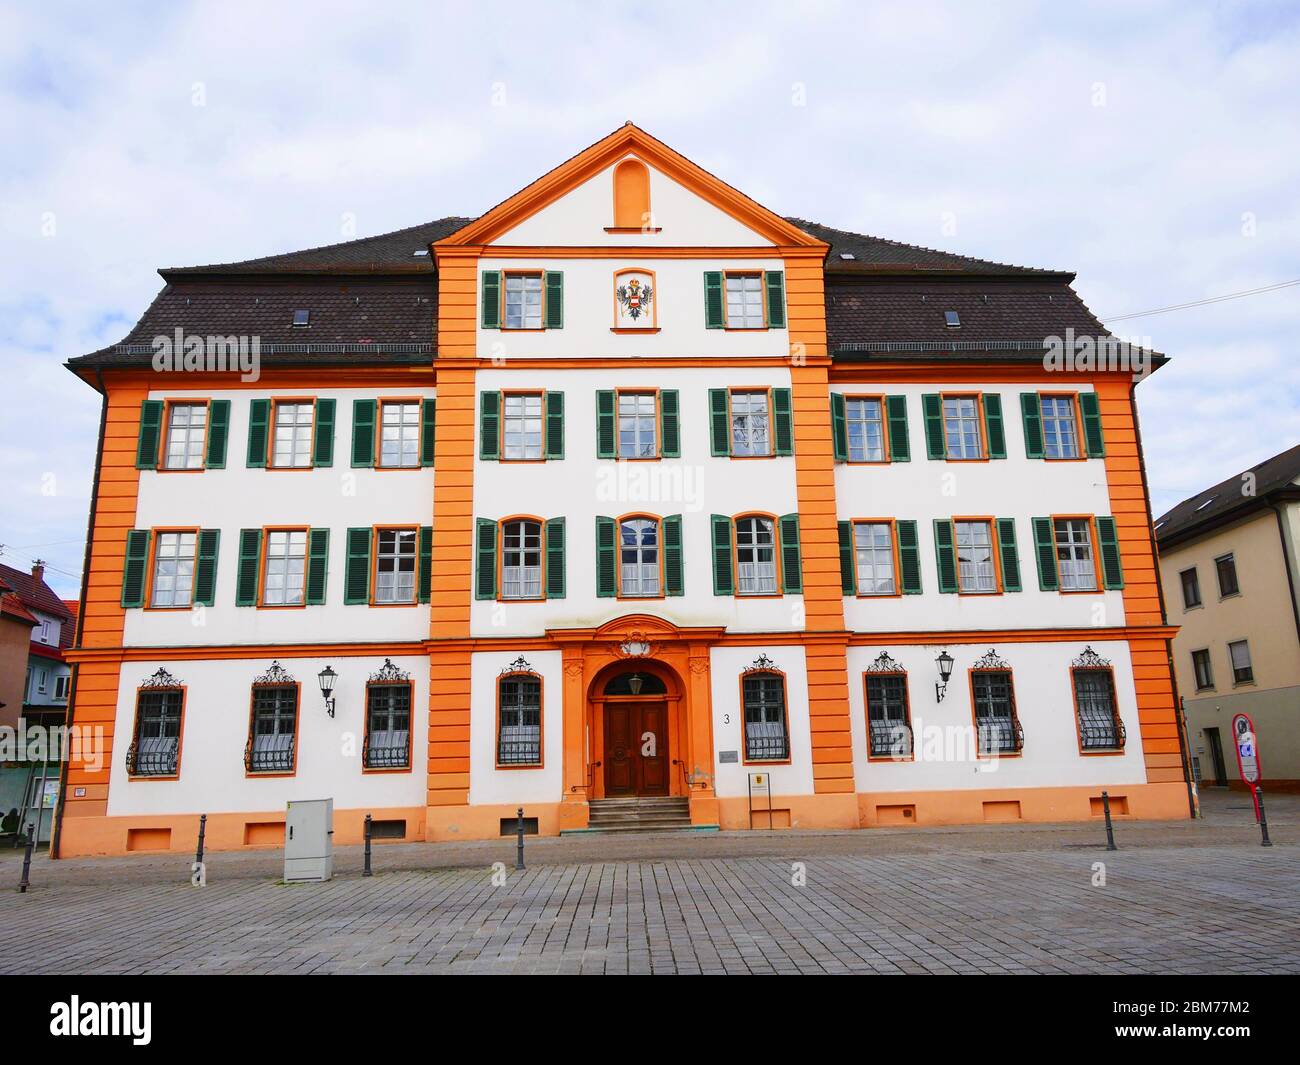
{"x":366,"y":871}
{"x":203,"y":828}
{"x":1264,"y":841}
{"x":27,"y":860}
{"x":519,"y":833}
{"x":1110,"y":831}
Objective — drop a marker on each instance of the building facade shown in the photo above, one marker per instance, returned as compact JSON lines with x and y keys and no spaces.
{"x":1229,"y":559}
{"x":627,"y":489}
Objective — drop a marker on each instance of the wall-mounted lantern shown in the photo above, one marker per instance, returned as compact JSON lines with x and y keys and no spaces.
{"x":327,"y":677}
{"x":945,"y":663}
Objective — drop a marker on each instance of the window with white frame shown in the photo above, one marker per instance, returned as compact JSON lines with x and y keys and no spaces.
{"x":399,"y":441}
{"x":1074,"y":555}
{"x":286,"y":567}
{"x":395,"y":566}
{"x":745,"y":301}
{"x":294,"y":425}
{"x":866,"y":430}
{"x":523,"y":301}
{"x":638,"y":425}
{"x":42,"y":681}
{"x":521,"y":426}
{"x":1239,"y":655}
{"x":638,"y":557}
{"x":766,"y":736}
{"x":756,"y":556}
{"x":873,"y":545}
{"x":519,"y":719}
{"x":187,"y":432}
{"x":750,"y":424}
{"x":173,"y":569}
{"x":1060,"y":429}
{"x":961,"y":427}
{"x":975,"y":571}
{"x":521,"y":560}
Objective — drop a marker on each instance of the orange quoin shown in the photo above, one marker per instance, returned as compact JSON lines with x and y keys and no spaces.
{"x":607,"y":552}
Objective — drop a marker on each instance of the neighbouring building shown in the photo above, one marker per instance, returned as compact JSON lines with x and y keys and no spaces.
{"x":1230,"y":563}
{"x":626,"y":499}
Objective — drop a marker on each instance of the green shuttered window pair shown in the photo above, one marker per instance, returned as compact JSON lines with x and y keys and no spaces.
{"x":367,"y":415}
{"x":261,"y":433}
{"x":1057,"y":436}
{"x":744,"y":555}
{"x":359,"y":564}
{"x":950,"y":422}
{"x":211,"y":433}
{"x":1111,"y":569}
{"x":759,"y":429}
{"x":909,"y":558}
{"x":607,"y":561}
{"x":505,"y":426}
{"x":772,"y":284}
{"x":668,"y":439}
{"x":252,"y":544}
{"x":893,"y":415}
{"x":135,"y":577}
{"x":494,"y":300}
{"x":488,"y":547}
{"x":949,"y":563}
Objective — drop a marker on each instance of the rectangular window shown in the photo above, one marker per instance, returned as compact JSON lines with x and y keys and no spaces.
{"x":961,"y":427}
{"x":996,"y":727}
{"x":1191,"y":588}
{"x":756,"y":556}
{"x":1074,"y":555}
{"x":388,"y":726}
{"x":523,"y":301}
{"x":1203,"y":669}
{"x":173,"y":569}
{"x":1226,"y":567}
{"x":294,"y":425}
{"x":286,"y":567}
{"x":766,"y":736}
{"x":1060,"y":427}
{"x":521,"y":426}
{"x":187,"y":434}
{"x":888,"y":716}
{"x":750,"y":424}
{"x":155,"y":748}
{"x":519,"y":720}
{"x":272,"y":745}
{"x":395,"y":565}
{"x":873,"y":545}
{"x":521,"y":560}
{"x":974,"y":542}
{"x":42,"y":681}
{"x":638,"y":425}
{"x":1094,"y":699}
{"x":639,"y":558}
{"x":865,"y":425}
{"x":1239,"y":656}
{"x":745,"y":301}
{"x":400,"y":435}
{"x":61,"y":688}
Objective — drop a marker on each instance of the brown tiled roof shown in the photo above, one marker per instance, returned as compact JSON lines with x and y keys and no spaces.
{"x":35,"y":594}
{"x":12,"y":607}
{"x":1228,"y":499}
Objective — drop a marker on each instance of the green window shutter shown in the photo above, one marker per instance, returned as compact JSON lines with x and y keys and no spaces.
{"x":363,"y":432}
{"x":606,"y":558}
{"x":134,"y":567}
{"x":723,"y":580}
{"x":791,"y":562}
{"x":146,"y":445}
{"x":1008,"y":554}
{"x":783,"y":434}
{"x":847,"y":583}
{"x":218,"y":434}
{"x":428,"y":430}
{"x":555,"y":575}
{"x":554,"y":285}
{"x":932,"y":411}
{"x":356,"y":574}
{"x":670,"y":430}
{"x":839,"y":427}
{"x":994,"y":436}
{"x":318,"y":558}
{"x":485,"y":559}
{"x":900,"y":447}
{"x":606,"y":438}
{"x":719,"y":430}
{"x":674,"y":568}
{"x":425,"y":571}
{"x":1112,"y":569}
{"x":775,"y":282}
{"x":555,"y":425}
{"x":1045,"y":553}
{"x":491,"y":299}
{"x":323,"y":446}
{"x":944,"y":555}
{"x":250,"y":559}
{"x":259,"y":417}
{"x":1090,"y":405}
{"x":489,"y":426}
{"x":714,"y":309}
{"x":1031,"y":413}
{"x":909,"y":557}
{"x":205,"y":569}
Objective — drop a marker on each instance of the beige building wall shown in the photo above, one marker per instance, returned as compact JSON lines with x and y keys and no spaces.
{"x":1262,"y":614}
{"x":15,"y":640}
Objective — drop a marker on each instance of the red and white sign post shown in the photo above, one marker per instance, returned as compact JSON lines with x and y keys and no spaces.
{"x":1248,"y":765}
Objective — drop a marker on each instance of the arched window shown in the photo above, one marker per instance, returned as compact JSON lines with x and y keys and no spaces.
{"x":639,"y":558}
{"x":519,"y":719}
{"x":766,"y":737}
{"x":756,"y":556}
{"x":631,"y":195}
{"x":521,"y":559}
{"x":643,"y":683}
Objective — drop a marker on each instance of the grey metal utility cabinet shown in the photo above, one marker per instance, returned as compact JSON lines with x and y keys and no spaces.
{"x":309,"y":840}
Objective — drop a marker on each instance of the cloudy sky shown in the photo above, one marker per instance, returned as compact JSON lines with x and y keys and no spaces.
{"x":1152,"y":147}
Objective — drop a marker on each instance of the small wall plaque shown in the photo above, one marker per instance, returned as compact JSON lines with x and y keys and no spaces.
{"x":728,"y":757}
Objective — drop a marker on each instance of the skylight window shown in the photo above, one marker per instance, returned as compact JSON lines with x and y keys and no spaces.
{"x":847,"y":255}
{"x":1206,"y":503}
{"x":951,"y":319}
{"x":301,"y":317}
{"x":420,"y":251}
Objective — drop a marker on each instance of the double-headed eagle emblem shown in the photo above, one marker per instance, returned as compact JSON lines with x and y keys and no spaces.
{"x":634,"y":297}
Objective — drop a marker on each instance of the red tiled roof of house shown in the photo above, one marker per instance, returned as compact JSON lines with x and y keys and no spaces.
{"x":34,"y":592}
{"x":11,"y":606}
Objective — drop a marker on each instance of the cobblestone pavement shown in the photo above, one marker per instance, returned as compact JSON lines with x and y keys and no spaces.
{"x":1178,"y":897}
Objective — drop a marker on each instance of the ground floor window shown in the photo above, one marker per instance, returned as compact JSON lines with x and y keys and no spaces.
{"x":155,"y":745}
{"x":767,"y":739}
{"x":1100,"y":728}
{"x":996,"y":726}
{"x":889,"y":721}
{"x":519,"y":719}
{"x":388,"y":720}
{"x":273,"y":733}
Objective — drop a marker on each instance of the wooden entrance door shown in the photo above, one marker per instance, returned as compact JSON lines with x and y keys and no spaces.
{"x":636,"y":748}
